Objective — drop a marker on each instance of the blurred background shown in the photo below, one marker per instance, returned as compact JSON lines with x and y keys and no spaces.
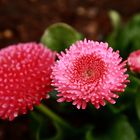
{"x":26,"y":20}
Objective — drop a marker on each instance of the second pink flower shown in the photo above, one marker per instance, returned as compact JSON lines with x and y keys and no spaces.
{"x":89,"y":72}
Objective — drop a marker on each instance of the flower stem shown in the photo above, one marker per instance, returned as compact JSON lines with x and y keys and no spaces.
{"x":49,"y":113}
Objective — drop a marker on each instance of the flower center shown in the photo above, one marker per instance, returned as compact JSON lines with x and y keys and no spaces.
{"x":88,"y":73}
{"x":88,"y":68}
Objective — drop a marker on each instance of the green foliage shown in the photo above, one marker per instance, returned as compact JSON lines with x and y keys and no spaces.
{"x":89,"y":134}
{"x":44,"y":130}
{"x":122,"y":130}
{"x":60,"y":36}
{"x":119,"y":129}
{"x":126,"y":37}
{"x":137,"y":103}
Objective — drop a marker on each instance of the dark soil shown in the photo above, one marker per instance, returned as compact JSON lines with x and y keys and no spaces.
{"x":26,"y":20}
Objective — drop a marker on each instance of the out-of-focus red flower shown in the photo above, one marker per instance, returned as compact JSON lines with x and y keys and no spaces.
{"x":134,"y":61}
{"x":89,"y":72}
{"x":25,"y":71}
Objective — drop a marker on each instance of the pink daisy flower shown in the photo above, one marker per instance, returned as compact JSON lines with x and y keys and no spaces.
{"x":134,"y":61}
{"x":24,"y":78}
{"x":89,"y":72}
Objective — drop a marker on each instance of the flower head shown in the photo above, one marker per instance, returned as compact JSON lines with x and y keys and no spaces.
{"x":25,"y":71}
{"x":134,"y":61}
{"x":89,"y":72}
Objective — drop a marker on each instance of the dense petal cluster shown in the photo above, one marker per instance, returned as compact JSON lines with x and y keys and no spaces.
{"x":89,"y":72}
{"x":25,"y":71}
{"x":134,"y":61}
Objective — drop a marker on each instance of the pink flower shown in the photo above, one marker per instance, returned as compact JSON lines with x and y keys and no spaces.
{"x":89,"y":72}
{"x":25,"y":71}
{"x":134,"y":61}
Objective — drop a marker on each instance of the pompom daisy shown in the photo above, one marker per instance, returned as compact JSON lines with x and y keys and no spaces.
{"x":89,"y":72}
{"x":134,"y":61}
{"x":25,"y":71}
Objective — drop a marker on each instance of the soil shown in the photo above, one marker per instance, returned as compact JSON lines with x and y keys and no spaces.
{"x":26,"y":20}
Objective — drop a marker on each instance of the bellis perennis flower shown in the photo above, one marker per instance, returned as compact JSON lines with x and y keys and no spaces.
{"x":24,"y":77}
{"x":134,"y":61}
{"x":89,"y":72}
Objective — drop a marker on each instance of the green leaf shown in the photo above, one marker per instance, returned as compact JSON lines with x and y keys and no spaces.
{"x":137,"y":104}
{"x":131,"y":34}
{"x":134,"y":83}
{"x":126,"y":38}
{"x":60,"y":36}
{"x":115,"y":18}
{"x":89,"y":135}
{"x":122,"y":130}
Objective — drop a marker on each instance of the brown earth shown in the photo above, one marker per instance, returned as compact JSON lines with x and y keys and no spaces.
{"x":26,"y":20}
